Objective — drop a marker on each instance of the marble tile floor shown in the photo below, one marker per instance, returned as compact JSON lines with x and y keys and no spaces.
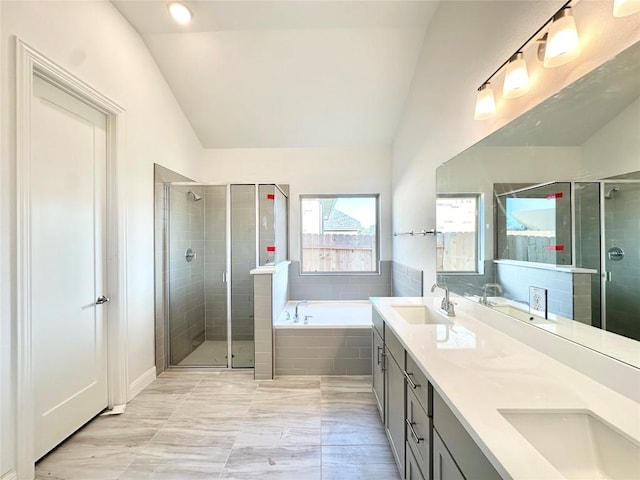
{"x":213,"y":353}
{"x":197,"y":425}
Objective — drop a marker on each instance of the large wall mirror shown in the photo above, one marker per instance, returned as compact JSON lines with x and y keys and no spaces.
{"x":541,"y":220}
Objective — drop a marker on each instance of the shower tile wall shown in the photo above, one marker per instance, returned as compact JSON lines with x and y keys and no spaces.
{"x":215,"y":241}
{"x":622,"y":229}
{"x":161,"y":175}
{"x":186,"y":295}
{"x":243,"y":259}
{"x":588,"y":240}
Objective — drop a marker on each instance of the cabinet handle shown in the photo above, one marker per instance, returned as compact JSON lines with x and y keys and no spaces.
{"x":379,"y":351}
{"x":413,"y":432}
{"x":410,"y":380}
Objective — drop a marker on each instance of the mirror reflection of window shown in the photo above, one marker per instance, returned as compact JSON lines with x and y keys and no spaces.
{"x":458,"y":237}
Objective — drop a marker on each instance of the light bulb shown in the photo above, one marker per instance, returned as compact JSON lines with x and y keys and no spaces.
{"x":622,"y":8}
{"x":180,"y":13}
{"x":485,"y":103}
{"x":563,"y":43}
{"x":516,"y":78}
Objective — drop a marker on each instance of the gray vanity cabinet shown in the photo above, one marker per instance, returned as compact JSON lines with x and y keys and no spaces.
{"x":461,"y":451}
{"x":377,"y":370}
{"x":394,"y":397}
{"x":444,"y":468}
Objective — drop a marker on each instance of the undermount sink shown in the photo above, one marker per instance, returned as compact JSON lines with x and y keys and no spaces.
{"x":419,"y":314}
{"x":578,"y":443}
{"x":520,"y":314}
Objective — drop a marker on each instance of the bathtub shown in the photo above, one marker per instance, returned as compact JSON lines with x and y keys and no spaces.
{"x":335,"y":340}
{"x":326,"y":314}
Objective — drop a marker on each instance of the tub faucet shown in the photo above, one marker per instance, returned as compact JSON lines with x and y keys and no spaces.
{"x":485,"y":288}
{"x":446,"y":306}
{"x":296,"y":317}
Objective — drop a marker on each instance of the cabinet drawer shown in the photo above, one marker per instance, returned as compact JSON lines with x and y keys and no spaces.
{"x":418,"y":384}
{"x":418,"y":431}
{"x":394,"y":346}
{"x":413,"y":471}
{"x":377,"y":321}
{"x":461,"y":446}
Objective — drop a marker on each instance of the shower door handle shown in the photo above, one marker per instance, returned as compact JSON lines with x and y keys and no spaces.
{"x":607,"y":276}
{"x":102,"y":300}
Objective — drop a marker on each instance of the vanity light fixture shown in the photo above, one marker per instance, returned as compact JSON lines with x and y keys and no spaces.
{"x":485,"y":103}
{"x":559,"y":44}
{"x":622,"y":8}
{"x":180,"y":12}
{"x":516,"y":78}
{"x":563,"y":42}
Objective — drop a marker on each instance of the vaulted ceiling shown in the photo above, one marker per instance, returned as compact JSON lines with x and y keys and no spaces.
{"x":287,"y":73}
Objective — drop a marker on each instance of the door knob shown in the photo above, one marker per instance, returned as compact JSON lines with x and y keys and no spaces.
{"x":102,"y":299}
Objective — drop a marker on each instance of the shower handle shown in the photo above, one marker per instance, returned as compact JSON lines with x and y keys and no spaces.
{"x":102,"y":300}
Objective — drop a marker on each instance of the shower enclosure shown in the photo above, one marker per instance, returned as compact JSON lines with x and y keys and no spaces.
{"x":214,"y":236}
{"x":607,"y":223}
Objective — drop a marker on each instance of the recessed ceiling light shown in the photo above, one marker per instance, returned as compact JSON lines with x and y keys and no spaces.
{"x":180,"y":13}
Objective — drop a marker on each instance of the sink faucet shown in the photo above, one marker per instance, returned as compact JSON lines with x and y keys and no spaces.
{"x":296,"y":317}
{"x":446,"y":306}
{"x":485,"y":288}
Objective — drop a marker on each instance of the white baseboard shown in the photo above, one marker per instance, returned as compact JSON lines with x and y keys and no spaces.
{"x":140,"y":383}
{"x":10,"y":475}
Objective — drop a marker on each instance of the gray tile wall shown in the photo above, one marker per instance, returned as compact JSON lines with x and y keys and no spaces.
{"x":215,"y":198}
{"x":622,"y":229}
{"x":339,"y":287}
{"x":186,"y":279}
{"x":564,"y":290}
{"x":161,"y":175}
{"x":323,"y":351}
{"x":587,"y":229}
{"x":243,"y":260}
{"x":406,"y":281}
{"x":466,"y":285}
{"x":263,"y":311}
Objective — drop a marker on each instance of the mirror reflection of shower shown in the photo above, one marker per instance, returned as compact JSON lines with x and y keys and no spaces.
{"x":610,"y":192}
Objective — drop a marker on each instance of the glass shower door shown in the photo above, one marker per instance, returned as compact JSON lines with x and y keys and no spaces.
{"x":621,"y":259}
{"x":243,"y":260}
{"x":197,"y":299}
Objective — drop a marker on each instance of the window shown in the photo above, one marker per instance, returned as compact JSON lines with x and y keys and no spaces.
{"x":339,"y":233}
{"x":458,"y":240}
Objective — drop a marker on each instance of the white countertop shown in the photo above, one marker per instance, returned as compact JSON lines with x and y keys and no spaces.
{"x":478,"y":370}
{"x":270,"y":268}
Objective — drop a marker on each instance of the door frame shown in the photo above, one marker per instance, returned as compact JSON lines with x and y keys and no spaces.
{"x":30,"y":63}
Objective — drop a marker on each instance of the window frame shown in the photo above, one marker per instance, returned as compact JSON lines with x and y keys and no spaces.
{"x":376,"y":197}
{"x":479,"y":233}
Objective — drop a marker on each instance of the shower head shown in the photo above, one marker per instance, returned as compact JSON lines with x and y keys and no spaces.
{"x":609,"y":194}
{"x":194,"y":196}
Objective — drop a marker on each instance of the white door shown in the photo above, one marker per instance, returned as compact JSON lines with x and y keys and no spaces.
{"x":68,"y":212}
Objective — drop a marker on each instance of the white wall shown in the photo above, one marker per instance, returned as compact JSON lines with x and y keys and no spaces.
{"x":465,"y":43}
{"x":93,"y":42}
{"x":615,"y":148}
{"x":309,"y":170}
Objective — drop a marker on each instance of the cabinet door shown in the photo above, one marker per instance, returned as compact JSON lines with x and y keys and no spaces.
{"x":444,"y":468}
{"x":413,"y":469}
{"x":377,"y":348}
{"x":394,"y":408}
